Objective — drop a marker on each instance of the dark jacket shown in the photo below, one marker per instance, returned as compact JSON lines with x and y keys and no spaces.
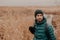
{"x":39,"y":31}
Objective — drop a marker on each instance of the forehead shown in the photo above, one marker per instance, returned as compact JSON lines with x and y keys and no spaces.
{"x":39,"y":14}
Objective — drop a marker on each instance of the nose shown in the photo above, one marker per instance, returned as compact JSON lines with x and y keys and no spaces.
{"x":39,"y":17}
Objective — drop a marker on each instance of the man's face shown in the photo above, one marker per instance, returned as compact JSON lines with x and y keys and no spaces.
{"x":39,"y":17}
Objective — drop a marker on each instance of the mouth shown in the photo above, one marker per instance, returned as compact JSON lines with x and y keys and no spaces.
{"x":39,"y":19}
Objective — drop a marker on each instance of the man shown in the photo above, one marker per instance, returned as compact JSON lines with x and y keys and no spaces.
{"x":42,"y":30}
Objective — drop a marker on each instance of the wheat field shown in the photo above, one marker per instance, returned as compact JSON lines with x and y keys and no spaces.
{"x":15,"y":22}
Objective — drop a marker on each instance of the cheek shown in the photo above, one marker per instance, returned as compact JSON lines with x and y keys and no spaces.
{"x":37,"y":17}
{"x":41,"y":17}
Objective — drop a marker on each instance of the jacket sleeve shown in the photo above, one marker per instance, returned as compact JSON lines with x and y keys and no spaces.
{"x":51,"y":32}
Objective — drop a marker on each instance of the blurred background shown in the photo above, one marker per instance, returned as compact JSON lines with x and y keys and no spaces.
{"x":17,"y":15}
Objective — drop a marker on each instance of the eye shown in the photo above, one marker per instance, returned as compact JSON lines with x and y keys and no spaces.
{"x":38,"y":15}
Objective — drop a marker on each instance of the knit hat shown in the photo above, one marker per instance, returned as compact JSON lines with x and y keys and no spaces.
{"x":38,"y":12}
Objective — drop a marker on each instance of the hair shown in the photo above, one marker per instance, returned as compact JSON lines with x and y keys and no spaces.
{"x":38,"y":12}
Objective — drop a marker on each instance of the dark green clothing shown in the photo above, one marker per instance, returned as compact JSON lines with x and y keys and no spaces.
{"x":40,"y":33}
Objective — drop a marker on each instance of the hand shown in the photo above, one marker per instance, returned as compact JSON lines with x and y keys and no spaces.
{"x":32,"y":29}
